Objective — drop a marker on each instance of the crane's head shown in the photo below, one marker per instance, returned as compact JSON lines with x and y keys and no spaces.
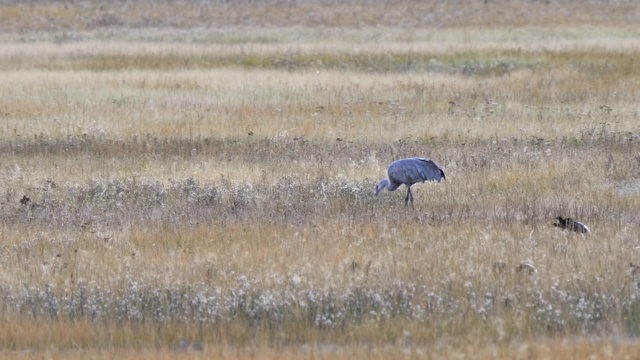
{"x":381,"y":185}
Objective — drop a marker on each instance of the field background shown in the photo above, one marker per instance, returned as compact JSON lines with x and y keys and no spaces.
{"x":196,"y":179}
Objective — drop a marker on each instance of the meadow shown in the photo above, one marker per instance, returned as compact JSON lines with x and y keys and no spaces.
{"x":198,"y":181}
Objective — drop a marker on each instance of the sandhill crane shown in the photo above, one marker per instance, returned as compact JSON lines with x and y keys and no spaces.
{"x":573,"y":225}
{"x":410,"y":171}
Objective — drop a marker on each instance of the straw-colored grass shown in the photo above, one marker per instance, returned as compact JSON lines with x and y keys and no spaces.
{"x":175,"y":185}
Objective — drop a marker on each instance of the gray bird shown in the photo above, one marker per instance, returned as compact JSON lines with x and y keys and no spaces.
{"x":410,"y":171}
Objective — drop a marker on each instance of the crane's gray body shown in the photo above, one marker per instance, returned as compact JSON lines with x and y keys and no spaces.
{"x":410,"y":171}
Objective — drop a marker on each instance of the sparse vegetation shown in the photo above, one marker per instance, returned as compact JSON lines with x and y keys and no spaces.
{"x":186,"y":181}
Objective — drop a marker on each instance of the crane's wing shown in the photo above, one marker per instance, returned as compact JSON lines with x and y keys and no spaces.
{"x":428,"y":169}
{"x":412,"y":170}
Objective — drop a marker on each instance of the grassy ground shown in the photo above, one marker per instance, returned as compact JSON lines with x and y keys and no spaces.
{"x":183,"y":184}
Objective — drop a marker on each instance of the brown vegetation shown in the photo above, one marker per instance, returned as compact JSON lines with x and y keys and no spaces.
{"x":175,"y":184}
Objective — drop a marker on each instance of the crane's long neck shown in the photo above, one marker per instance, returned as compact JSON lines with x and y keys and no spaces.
{"x":385,"y":183}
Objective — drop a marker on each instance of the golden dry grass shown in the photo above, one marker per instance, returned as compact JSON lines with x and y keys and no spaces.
{"x":558,"y":349}
{"x":202,"y":189}
{"x":88,"y":15}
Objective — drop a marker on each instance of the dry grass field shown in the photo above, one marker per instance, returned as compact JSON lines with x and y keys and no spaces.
{"x":196,"y":179}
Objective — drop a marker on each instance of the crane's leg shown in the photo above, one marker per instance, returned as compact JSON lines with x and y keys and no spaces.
{"x":409,"y":197}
